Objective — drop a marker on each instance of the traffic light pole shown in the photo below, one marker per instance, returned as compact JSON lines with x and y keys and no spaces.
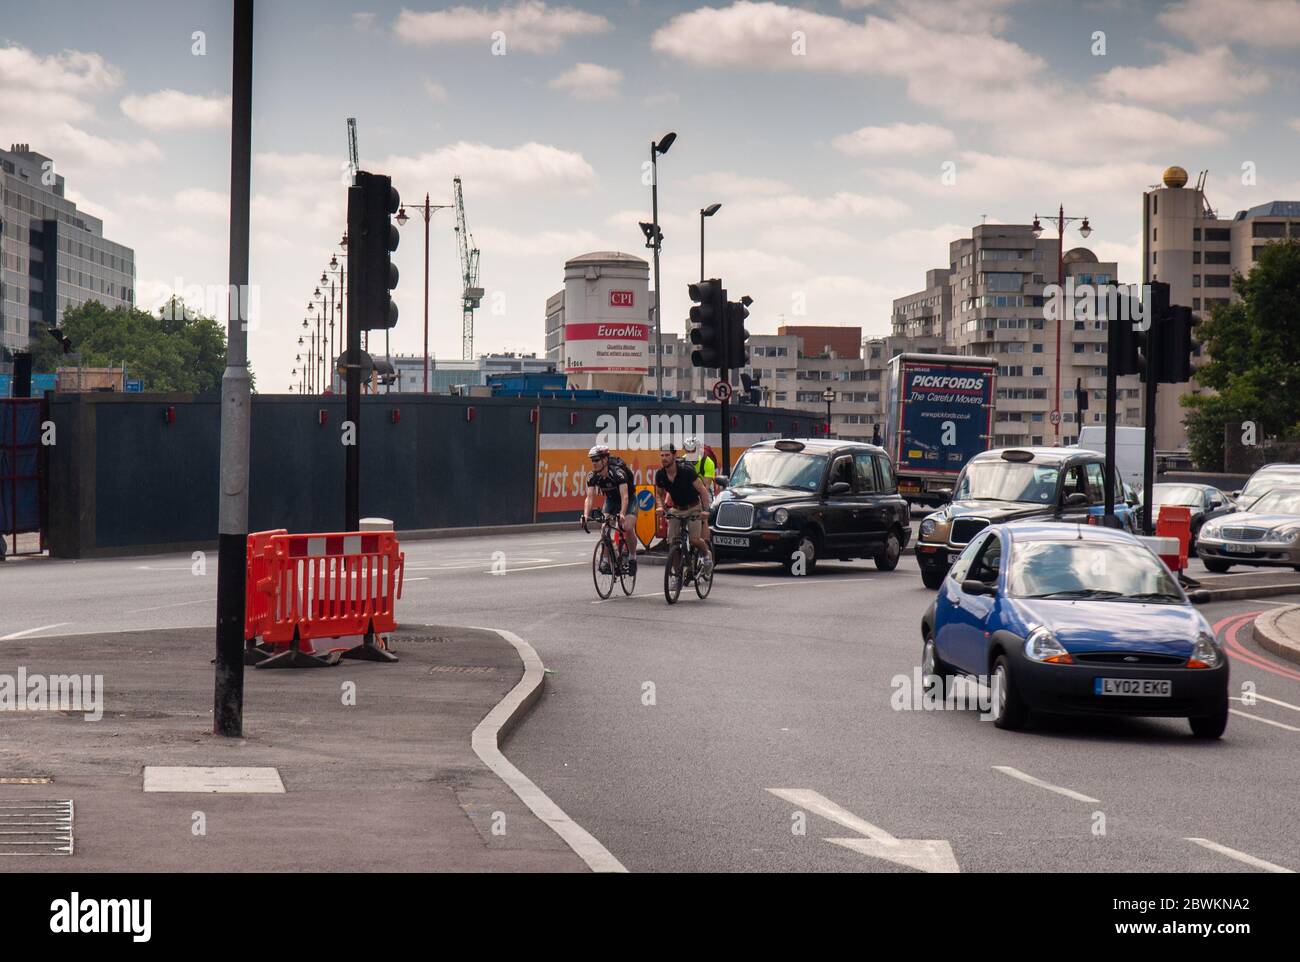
{"x":232,"y":528}
{"x":1149,"y":446}
{"x":355,"y":318}
{"x":1112,"y":379}
{"x":726,"y":424}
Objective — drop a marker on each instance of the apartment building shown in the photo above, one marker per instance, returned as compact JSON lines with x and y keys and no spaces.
{"x":1189,"y":246}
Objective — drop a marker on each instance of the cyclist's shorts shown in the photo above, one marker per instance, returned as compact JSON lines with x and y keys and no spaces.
{"x":611,"y":507}
{"x":693,"y":516}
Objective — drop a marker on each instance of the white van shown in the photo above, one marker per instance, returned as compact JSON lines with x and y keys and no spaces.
{"x":1130,"y":444}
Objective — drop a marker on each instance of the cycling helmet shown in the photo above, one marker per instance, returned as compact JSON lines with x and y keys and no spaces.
{"x":691,"y":445}
{"x":598,"y":451}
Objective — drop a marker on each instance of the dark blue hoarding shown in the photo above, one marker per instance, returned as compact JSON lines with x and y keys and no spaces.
{"x":944,"y":415}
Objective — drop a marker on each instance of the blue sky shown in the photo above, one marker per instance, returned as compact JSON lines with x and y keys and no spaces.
{"x":824,"y":129}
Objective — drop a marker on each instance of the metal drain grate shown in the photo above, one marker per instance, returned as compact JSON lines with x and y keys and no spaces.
{"x":36,"y":828}
{"x":461,"y":669}
{"x":25,"y":779}
{"x":420,"y":639}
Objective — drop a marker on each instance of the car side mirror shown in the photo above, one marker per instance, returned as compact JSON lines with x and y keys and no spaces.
{"x":1216,"y":505}
{"x":973,"y":586}
{"x":1075,"y":499}
{"x":1236,"y":494}
{"x":945,"y":494}
{"x":839,"y":487}
{"x":721,"y":480}
{"x":1199,"y":597}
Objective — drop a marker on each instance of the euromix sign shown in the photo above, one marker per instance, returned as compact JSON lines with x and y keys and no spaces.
{"x":612,"y":342}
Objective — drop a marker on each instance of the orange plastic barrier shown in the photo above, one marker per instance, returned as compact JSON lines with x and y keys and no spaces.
{"x":1174,"y":521}
{"x":308,"y":586}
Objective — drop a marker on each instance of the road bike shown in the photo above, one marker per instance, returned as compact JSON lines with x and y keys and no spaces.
{"x":685,"y":565}
{"x":613,"y":558}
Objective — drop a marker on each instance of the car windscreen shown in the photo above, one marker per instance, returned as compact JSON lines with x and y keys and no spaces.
{"x":1179,"y":494}
{"x":779,"y":469}
{"x":1089,"y":569}
{"x":1007,"y":481}
{"x":1263,"y":482}
{"x":1278,"y":501}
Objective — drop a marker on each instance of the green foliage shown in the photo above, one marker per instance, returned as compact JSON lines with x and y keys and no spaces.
{"x":1254,"y":357}
{"x":176,"y":349}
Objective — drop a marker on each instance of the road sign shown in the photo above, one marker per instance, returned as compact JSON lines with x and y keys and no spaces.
{"x":133,"y":386}
{"x":1056,"y":417}
{"x":721,"y":391}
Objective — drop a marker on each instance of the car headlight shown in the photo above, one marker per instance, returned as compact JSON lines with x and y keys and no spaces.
{"x":1043,"y":646}
{"x":1210,"y":530}
{"x":1205,"y":654}
{"x":1286,"y":535}
{"x":780,"y":516}
{"x":928,"y":525}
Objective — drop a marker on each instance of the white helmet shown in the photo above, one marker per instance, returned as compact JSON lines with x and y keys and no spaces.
{"x":598,"y":451}
{"x":691,"y":445}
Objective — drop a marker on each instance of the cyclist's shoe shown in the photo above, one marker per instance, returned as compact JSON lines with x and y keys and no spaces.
{"x":631,"y":565}
{"x":604,"y":567}
{"x":706,"y":566}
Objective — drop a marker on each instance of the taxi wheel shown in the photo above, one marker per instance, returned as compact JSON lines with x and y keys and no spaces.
{"x":807,"y":547}
{"x":887,"y":560}
{"x":1215,"y":566}
{"x":1009,"y":712}
{"x":1210,"y":726}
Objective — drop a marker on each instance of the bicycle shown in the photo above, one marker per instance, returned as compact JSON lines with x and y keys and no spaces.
{"x":612,"y":558}
{"x":685,"y":565}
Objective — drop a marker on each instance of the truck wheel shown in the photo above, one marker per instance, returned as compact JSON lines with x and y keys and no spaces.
{"x":932,"y":578}
{"x":887,"y":560}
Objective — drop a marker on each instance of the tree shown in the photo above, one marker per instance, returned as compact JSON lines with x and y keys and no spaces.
{"x":177,"y":349}
{"x":1254,"y":357}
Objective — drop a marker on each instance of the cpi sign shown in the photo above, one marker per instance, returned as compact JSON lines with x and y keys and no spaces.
{"x":620,"y":299}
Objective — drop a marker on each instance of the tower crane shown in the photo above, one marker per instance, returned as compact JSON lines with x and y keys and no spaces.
{"x":472,"y":295}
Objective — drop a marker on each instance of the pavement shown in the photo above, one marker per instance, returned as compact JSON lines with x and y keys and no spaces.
{"x":389,"y":783}
{"x":1278,"y":631}
{"x":738,"y":733}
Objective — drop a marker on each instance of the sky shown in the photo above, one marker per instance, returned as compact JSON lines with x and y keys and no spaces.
{"x":848,"y":141}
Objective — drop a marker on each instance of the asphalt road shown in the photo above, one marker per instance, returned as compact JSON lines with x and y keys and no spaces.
{"x":667,"y":731}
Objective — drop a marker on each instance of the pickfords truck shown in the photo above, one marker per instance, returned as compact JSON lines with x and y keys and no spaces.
{"x":938,"y":415}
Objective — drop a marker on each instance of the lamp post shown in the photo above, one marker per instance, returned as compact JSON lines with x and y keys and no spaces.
{"x":342,"y":271}
{"x":704,"y":212}
{"x":665,"y":142}
{"x":426,"y":210}
{"x":828,"y":396}
{"x":1084,"y":230}
{"x":308,"y":365}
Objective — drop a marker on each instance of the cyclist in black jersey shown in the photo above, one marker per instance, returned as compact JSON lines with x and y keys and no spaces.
{"x":612,"y":478}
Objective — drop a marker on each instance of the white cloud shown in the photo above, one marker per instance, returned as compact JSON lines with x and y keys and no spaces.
{"x":528,"y":25}
{"x":495,"y":169}
{"x":983,"y":176}
{"x":589,"y":81}
{"x":1219,"y":78}
{"x":801,"y":208}
{"x":895,"y":139}
{"x":174,"y":110}
{"x":976,"y":16}
{"x":436,"y":91}
{"x":1260,"y":23}
{"x":71,"y":72}
{"x":728,"y":184}
{"x":502,"y":242}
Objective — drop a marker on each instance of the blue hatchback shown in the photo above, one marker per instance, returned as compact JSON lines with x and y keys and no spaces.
{"x":1074,"y":619}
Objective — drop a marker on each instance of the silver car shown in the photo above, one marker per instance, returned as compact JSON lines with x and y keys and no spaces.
{"x":1267,"y":478}
{"x":1268,"y":534}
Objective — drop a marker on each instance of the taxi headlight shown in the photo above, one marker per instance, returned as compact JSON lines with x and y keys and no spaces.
{"x":1204,"y":653}
{"x":928,"y":525}
{"x":780,"y":516}
{"x":1043,"y":646}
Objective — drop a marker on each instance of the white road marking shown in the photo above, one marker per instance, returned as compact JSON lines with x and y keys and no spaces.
{"x":178,"y":604}
{"x":223,"y":779}
{"x":487,"y":745}
{"x":1266,"y":721}
{"x":32,"y":631}
{"x":927,"y":855}
{"x":806,"y":580}
{"x":1258,"y":863}
{"x":1275,"y":701}
{"x":471,"y":563}
{"x":1038,"y":782}
{"x":565,"y":564}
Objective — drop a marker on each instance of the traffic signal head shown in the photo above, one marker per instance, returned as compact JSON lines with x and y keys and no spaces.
{"x":372,"y":238}
{"x":1176,"y":346}
{"x":737,"y":337}
{"x":1132,"y":343}
{"x":708,"y":318}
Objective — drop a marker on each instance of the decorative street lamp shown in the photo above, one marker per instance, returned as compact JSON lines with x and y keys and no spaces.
{"x":656,"y":239}
{"x":1085,"y":229}
{"x":426,"y":211}
{"x":828,"y":396}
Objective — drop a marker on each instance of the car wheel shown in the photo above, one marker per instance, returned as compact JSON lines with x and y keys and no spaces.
{"x":1215,"y":566}
{"x":1210,"y":726}
{"x":887,"y":560}
{"x":933,"y":577}
{"x":807,"y":547}
{"x":933,"y":668}
{"x":1009,"y":712}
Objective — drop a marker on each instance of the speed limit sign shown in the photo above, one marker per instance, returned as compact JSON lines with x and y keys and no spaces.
{"x":1056,"y":417}
{"x":721,"y":391}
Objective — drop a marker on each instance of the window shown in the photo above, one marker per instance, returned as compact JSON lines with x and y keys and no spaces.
{"x":988,"y":563}
{"x":1218,"y":234}
{"x":841,"y":470}
{"x":1037,"y":372}
{"x":1196,"y":280}
{"x":1196,"y":233}
{"x":1268,"y":229}
{"x":1218,"y":280}
{"x":886,"y":470}
{"x":961,"y":567}
{"x":1220,"y":257}
{"x":1038,"y":349}
{"x":1096,"y":483}
{"x":866,"y":471}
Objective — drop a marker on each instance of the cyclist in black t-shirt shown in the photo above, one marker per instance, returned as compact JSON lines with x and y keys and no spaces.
{"x":613,"y":479}
{"x":690,"y":499}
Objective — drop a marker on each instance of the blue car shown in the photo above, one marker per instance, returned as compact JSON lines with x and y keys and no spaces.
{"x":1074,"y":619}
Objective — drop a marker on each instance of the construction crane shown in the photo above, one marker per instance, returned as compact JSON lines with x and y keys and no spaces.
{"x":472,"y":296}
{"x":353,"y":158}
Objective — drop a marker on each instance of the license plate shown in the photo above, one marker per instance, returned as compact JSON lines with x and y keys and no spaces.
{"x":1140,"y":687}
{"x":1240,"y":548}
{"x":730,"y":541}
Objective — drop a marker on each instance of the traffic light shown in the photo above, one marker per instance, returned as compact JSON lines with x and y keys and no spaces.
{"x":737,"y":352}
{"x":708,"y":320}
{"x":1176,"y":345}
{"x":1134,"y":351}
{"x":372,"y":238}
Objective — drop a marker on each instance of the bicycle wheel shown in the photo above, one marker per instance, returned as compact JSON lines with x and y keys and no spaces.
{"x":627,"y":574}
{"x":703,"y":579}
{"x":673,"y":575}
{"x":604,"y":580}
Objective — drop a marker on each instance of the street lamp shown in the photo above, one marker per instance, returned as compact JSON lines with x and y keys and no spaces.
{"x":342,"y":271}
{"x":665,"y":142}
{"x":1085,"y":229}
{"x":704,"y":212}
{"x":828,"y":396}
{"x":426,"y":210}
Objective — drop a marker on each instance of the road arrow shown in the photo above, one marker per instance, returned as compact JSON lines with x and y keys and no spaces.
{"x":925,"y":855}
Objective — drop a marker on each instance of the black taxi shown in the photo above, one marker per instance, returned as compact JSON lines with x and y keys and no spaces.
{"x":798,"y":501}
{"x":1014,"y":484}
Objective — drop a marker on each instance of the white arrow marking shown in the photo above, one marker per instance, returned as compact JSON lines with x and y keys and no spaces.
{"x":925,"y":855}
